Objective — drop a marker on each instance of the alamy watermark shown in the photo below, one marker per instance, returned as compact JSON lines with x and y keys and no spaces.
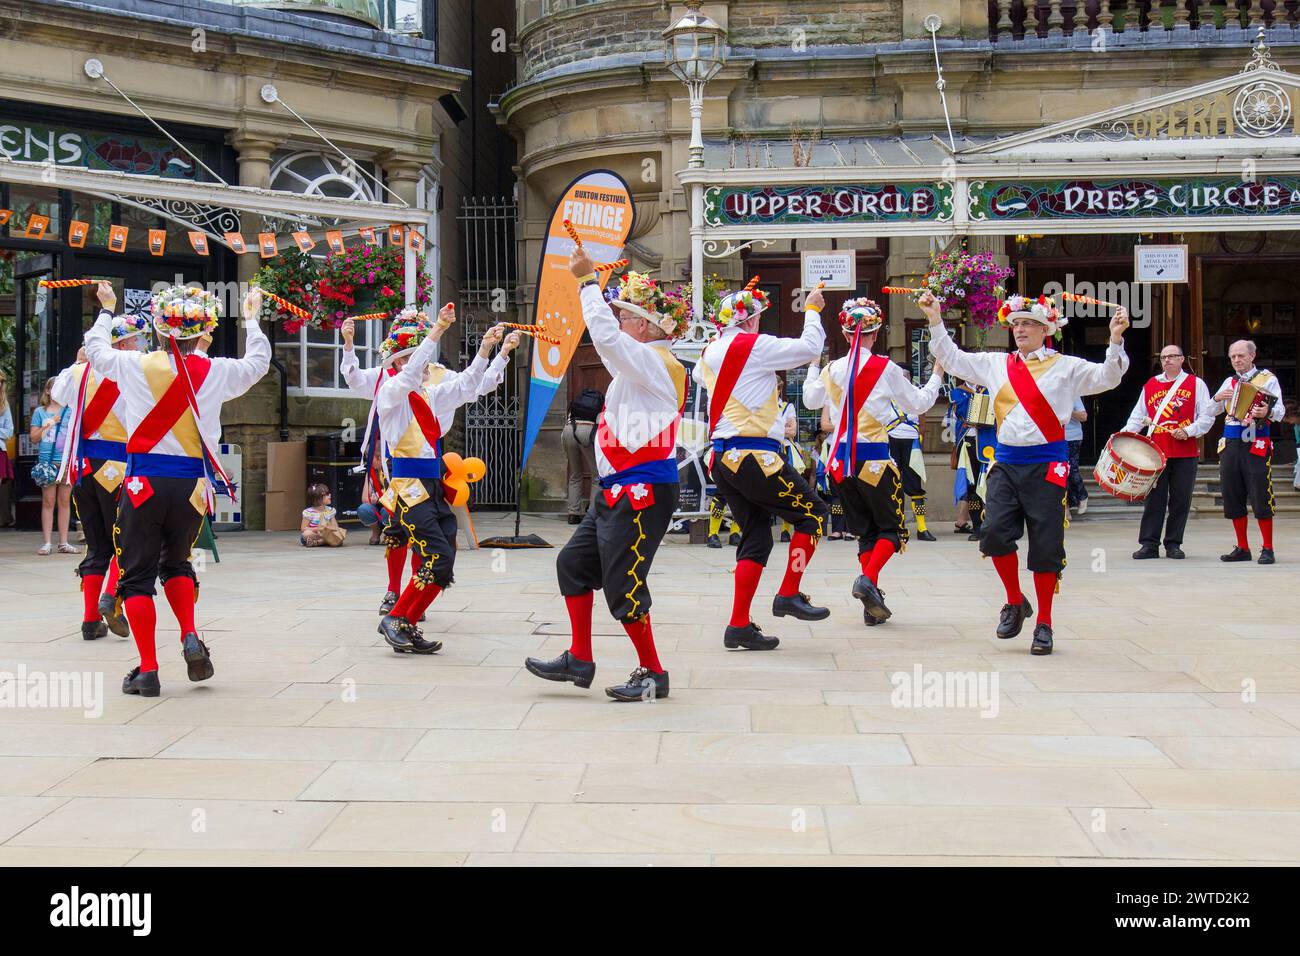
{"x":963,"y":689}
{"x":55,"y":690}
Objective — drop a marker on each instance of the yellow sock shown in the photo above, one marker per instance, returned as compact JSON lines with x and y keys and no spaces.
{"x":715,"y":523}
{"x":918,"y":509}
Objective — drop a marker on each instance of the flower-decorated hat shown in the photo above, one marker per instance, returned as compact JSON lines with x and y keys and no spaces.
{"x":181,"y":312}
{"x":863,"y":313}
{"x":125,"y":326}
{"x":742,"y":306}
{"x":1042,"y":310}
{"x":642,"y":296}
{"x":409,"y":329}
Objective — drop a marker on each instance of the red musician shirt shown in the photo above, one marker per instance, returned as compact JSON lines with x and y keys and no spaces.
{"x":1189,"y":408}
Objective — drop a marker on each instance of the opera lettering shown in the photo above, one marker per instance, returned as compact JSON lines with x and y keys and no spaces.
{"x":1135,"y":198}
{"x":826,"y":203}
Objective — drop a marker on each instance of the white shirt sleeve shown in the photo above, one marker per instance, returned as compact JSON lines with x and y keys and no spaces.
{"x":1274,"y":388}
{"x":913,"y":400}
{"x":394,"y":391}
{"x":779,"y":354}
{"x":495,"y":375}
{"x":360,"y":382}
{"x":814,"y":389}
{"x":971,"y":366}
{"x":621,"y":353}
{"x":66,"y":384}
{"x":449,"y":395}
{"x":1205,"y":411}
{"x":1137,"y":419}
{"x":1090,"y":378}
{"x":107,"y":361}
{"x":239,"y":375}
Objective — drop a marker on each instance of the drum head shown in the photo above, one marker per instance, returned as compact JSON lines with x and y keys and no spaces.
{"x":1136,"y":451}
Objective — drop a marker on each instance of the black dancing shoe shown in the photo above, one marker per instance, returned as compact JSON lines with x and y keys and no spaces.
{"x":868,"y":620}
{"x":1266,"y":556}
{"x":93,"y":630}
{"x":750,"y":637}
{"x":575,"y":519}
{"x":145,"y":684}
{"x":734,"y":540}
{"x":1042,"y":640}
{"x":785,"y":536}
{"x":1012,"y":618}
{"x":1146,"y":552}
{"x":418,"y":644}
{"x":396,"y":632}
{"x":1174,"y":552}
{"x":110,"y":609}
{"x":798,"y":606}
{"x":1237,"y":553}
{"x":872,"y":598}
{"x":387,"y":604}
{"x":975,"y":535}
{"x":962,"y":529}
{"x":198,"y":661}
{"x":566,"y":667}
{"x":713,"y":541}
{"x":641,"y":684}
{"x":926,"y":536}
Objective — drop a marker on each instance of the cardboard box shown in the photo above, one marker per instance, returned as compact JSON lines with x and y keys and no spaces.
{"x":284,"y":510}
{"x":286,"y":466}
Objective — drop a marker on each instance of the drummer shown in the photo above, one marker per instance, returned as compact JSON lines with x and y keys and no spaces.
{"x":1034,"y":388}
{"x":1246,"y":450}
{"x":1174,"y":410}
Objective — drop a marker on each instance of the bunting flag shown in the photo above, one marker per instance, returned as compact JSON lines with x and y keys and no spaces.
{"x":395,"y":235}
{"x":334,"y":239}
{"x":415,"y":239}
{"x":368,"y":234}
{"x":304,"y":241}
{"x":117,"y":238}
{"x":77,"y":232}
{"x":267,"y":245}
{"x":5,"y":214}
{"x":199,"y":241}
{"x":595,"y":211}
{"x":236,"y":243}
{"x":36,"y":226}
{"x":157,"y":241}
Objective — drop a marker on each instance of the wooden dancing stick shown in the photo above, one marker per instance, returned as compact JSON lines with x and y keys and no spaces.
{"x":573,"y":233}
{"x":536,"y":331}
{"x":612,"y":266}
{"x":288,"y":306}
{"x":899,"y":290}
{"x":1073,"y":297}
{"x":753,"y":284}
{"x":67,"y":283}
{"x":369,"y":316}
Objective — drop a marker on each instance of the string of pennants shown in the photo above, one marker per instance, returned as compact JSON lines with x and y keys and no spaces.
{"x":268,"y":243}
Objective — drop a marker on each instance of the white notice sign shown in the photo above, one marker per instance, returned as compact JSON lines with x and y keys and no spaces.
{"x":1160,"y":263}
{"x":837,"y":269}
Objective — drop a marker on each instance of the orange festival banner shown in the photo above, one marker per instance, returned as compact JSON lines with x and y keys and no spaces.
{"x":199,"y":241}
{"x":77,"y":232}
{"x":36,"y":226}
{"x":598,"y":209}
{"x":157,"y":241}
{"x":117,"y":236}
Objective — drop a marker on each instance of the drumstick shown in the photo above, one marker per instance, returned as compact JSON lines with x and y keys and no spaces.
{"x":287,"y":305}
{"x":612,"y":266}
{"x":67,"y":283}
{"x":573,"y":233}
{"x":1072,"y":297}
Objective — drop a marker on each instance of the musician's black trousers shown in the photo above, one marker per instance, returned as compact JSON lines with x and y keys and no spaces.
{"x":1245,"y":477}
{"x":1173,"y":489}
{"x":754,"y":498}
{"x":430,"y":528}
{"x":1020,"y":497}
{"x":96,"y":513}
{"x":612,"y":550}
{"x":154,"y":540}
{"x":900,"y":449}
{"x":873,"y":512}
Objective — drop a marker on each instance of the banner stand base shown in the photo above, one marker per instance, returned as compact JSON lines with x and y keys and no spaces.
{"x":515,"y":541}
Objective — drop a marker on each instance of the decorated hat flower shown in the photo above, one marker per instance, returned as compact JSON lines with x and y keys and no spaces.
{"x":862,"y":313}
{"x":1042,"y":310}
{"x":409,"y":329}
{"x":742,"y":306}
{"x":640,"y":295}
{"x":181,"y":312}
{"x":125,"y":326}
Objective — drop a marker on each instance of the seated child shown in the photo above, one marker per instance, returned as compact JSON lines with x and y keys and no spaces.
{"x":320,"y":524}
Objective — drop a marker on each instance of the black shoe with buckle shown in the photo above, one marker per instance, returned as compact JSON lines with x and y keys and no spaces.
{"x":575,"y":519}
{"x":418,"y":644}
{"x":1146,"y":552}
{"x":566,"y":667}
{"x":713,"y":541}
{"x":396,"y":632}
{"x":750,"y":637}
{"x":143,"y":683}
{"x":197,"y":659}
{"x":641,"y":684}
{"x":1266,"y":556}
{"x":872,"y":598}
{"x":1012,"y":618}
{"x":388,"y":603}
{"x":1042,"y":640}
{"x":110,"y":609}
{"x":868,"y":620}
{"x":1237,"y":553}
{"x":926,"y":536}
{"x":797,"y":605}
{"x":1175,"y":552}
{"x":734,"y":540}
{"x":93,"y":630}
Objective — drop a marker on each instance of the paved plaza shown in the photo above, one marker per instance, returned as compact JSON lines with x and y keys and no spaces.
{"x":1165,"y":727}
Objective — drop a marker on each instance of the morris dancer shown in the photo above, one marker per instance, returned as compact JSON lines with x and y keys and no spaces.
{"x":1180,"y":406}
{"x":867,"y":478}
{"x":411,"y":415}
{"x":905,"y":450}
{"x":636,"y":458}
{"x":94,"y":463}
{"x":1034,"y":388}
{"x":172,"y":413}
{"x":739,"y":370}
{"x":364,"y":383}
{"x":1246,"y":452}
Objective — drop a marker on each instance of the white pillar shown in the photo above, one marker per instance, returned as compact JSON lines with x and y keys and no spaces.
{"x":697,"y":249}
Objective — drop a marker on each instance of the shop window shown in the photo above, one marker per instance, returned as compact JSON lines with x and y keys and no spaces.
{"x":313,"y":358}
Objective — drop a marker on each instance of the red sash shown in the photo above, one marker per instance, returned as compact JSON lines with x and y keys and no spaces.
{"x":427,"y":421}
{"x":169,"y":409}
{"x":1026,"y":389}
{"x":732,"y":365}
{"x":105,"y":397}
{"x":663,"y":445}
{"x":864,"y":383}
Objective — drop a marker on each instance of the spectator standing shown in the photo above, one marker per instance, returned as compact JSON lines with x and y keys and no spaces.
{"x":1076,"y":494}
{"x":579,"y":441}
{"x":47,"y":432}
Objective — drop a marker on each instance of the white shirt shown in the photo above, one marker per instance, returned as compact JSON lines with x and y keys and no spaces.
{"x":1068,"y":378}
{"x":1203,"y":413}
{"x":68,"y":384}
{"x":644,"y":397}
{"x":892,"y":389}
{"x":227,"y":378}
{"x":362,"y":381}
{"x":756,"y":385}
{"x":395,"y":414}
{"x":1267,"y":382}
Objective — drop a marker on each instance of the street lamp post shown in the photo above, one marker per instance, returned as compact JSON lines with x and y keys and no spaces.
{"x":694,"y":50}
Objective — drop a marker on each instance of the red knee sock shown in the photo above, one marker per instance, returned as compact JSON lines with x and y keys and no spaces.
{"x":644,"y":642}
{"x":180,"y":595}
{"x":748,"y":574}
{"x":415,"y":601}
{"x":802,"y":547}
{"x":1044,"y":588}
{"x":1266,"y":532}
{"x":142,"y":617}
{"x":91,"y":584}
{"x":114,"y":572}
{"x":396,"y":559}
{"x":874,"y":560}
{"x":1010,"y":575}
{"x":415,"y":562}
{"x":1239,"y":526}
{"x":579,"y":606}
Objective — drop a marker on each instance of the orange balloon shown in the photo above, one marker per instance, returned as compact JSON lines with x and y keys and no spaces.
{"x":458,"y":474}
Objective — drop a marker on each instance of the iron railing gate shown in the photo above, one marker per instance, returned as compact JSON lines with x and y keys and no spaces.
{"x":493,"y":430}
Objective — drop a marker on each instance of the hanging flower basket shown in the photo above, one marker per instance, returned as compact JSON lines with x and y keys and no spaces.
{"x":968,"y":287}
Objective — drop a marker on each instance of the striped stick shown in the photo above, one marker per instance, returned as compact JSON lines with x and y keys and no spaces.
{"x":899,"y":290}
{"x":573,"y":233}
{"x":67,"y":283}
{"x":287,"y":305}
{"x":1073,"y":297}
{"x":612,"y":266}
{"x":536,"y":331}
{"x":369,"y":316}
{"x":753,"y":284}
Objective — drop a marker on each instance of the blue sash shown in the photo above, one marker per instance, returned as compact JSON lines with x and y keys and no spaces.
{"x":102,"y":448}
{"x":415,"y":467}
{"x":866,"y":451}
{"x":1031,"y":454}
{"x":721,"y":445}
{"x":151,"y":465}
{"x":661,"y":472}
